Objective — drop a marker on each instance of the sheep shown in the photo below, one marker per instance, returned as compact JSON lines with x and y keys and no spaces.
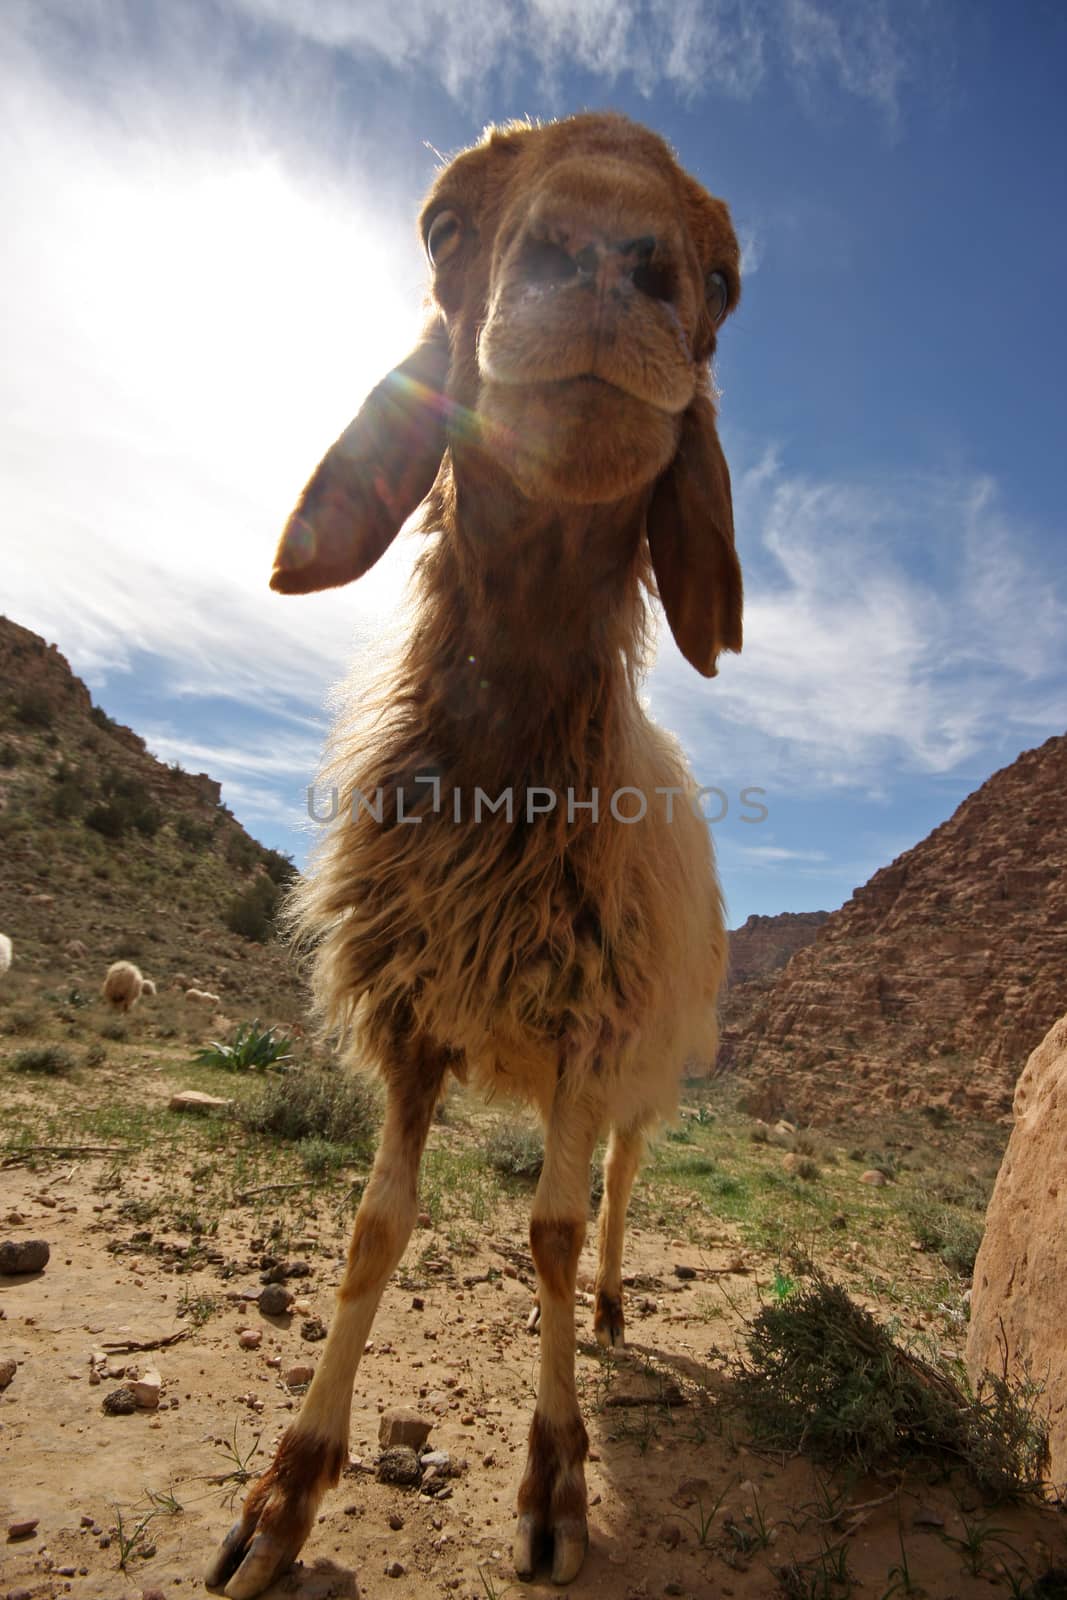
{"x":202,"y":997}
{"x":147,"y":987}
{"x":7,"y":952}
{"x":123,"y":985}
{"x":518,"y":887}
{"x":76,"y":950}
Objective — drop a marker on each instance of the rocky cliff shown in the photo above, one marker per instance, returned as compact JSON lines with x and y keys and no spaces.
{"x":936,"y":980}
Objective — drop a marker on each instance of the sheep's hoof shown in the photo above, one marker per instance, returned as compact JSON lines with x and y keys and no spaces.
{"x":552,"y":1521}
{"x":609,"y":1324}
{"x":248,"y":1562}
{"x":566,"y":1543}
{"x":277,"y":1517}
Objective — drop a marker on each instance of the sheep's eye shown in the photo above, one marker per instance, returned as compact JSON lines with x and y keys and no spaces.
{"x":718,"y":294}
{"x":443,"y":236}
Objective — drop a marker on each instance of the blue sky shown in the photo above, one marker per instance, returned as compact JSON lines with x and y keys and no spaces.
{"x":210,"y":258}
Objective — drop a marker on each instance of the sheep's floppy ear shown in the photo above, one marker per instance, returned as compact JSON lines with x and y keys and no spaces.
{"x":691,"y":540}
{"x":371,"y":480}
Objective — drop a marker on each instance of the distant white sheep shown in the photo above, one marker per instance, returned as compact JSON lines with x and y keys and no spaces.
{"x":76,"y":950}
{"x":202,"y":997}
{"x":147,"y":986}
{"x":5,"y":953}
{"x":123,"y":985}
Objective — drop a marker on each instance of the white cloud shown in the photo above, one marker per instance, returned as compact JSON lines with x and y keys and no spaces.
{"x":690,"y":46}
{"x":890,"y":627}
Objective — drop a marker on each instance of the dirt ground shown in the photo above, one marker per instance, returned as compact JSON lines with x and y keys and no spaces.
{"x":680,"y":1503}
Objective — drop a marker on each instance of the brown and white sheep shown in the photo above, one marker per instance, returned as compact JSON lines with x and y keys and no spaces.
{"x":123,"y":985}
{"x":566,"y":946}
{"x":6,"y":953}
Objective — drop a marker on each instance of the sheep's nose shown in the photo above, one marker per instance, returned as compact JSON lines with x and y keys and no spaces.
{"x":560,"y":258}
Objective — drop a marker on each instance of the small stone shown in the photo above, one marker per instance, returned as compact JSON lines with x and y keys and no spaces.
{"x":196,"y":1100}
{"x":395,"y":1569}
{"x":19,"y":1594}
{"x":121,"y":1402}
{"x":87,"y":1519}
{"x":23,"y":1528}
{"x":104,"y":1541}
{"x":274,"y":1300}
{"x":417,"y":1302}
{"x":8,"y":1368}
{"x":425,"y":1220}
{"x":153,"y":1594}
{"x":670,"y":1534}
{"x":874,"y":1178}
{"x":436,"y":1461}
{"x":399,"y":1465}
{"x":23,"y":1255}
{"x":690,"y":1490}
{"x":67,"y":1572}
{"x":672,"y":1586}
{"x":927,"y":1517}
{"x":403,"y":1427}
{"x":313,"y":1330}
{"x":298,"y":1374}
{"x":396,"y":1521}
{"x":682,"y":1271}
{"x":146,"y":1390}
{"x":250,"y":1338}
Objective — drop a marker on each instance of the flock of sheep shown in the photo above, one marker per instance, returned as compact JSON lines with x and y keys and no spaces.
{"x":124,"y":983}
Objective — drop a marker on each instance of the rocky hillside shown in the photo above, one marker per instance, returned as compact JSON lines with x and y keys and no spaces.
{"x":106,"y":848}
{"x":763,"y":945}
{"x":931,"y":986}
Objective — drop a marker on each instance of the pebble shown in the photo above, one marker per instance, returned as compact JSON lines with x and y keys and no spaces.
{"x":298,"y":1374}
{"x":250,"y":1338}
{"x":8,"y":1368}
{"x":313,"y":1330}
{"x":23,"y":1528}
{"x":121,"y":1402}
{"x":146,"y":1390}
{"x":23,"y":1255}
{"x":395,"y":1569}
{"x":682,"y":1271}
{"x":274,"y":1300}
{"x":403,"y":1428}
{"x":873,"y":1177}
{"x":19,"y":1594}
{"x":396,"y":1521}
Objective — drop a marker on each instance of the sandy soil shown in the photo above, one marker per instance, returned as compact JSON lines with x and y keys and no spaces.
{"x":451,"y":1341}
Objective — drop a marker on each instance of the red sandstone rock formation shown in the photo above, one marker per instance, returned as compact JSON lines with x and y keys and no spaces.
{"x":936,"y":980}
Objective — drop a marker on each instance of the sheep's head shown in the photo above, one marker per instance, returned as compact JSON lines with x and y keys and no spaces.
{"x":579,"y":277}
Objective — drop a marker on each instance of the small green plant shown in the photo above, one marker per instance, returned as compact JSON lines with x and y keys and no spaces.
{"x":516,"y":1150}
{"x":703,"y":1524}
{"x":164,"y":1502}
{"x":130,"y":1537}
{"x":251,"y":913}
{"x":316,"y":1103}
{"x":252,"y":1049}
{"x":199,"y":1308}
{"x":942,"y":1231}
{"x":239,"y":1468}
{"x":34,"y":709}
{"x":823,"y":1376}
{"x":48,"y":1060}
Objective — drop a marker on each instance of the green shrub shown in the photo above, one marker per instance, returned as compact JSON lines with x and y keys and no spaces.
{"x":34,"y":709}
{"x":516,"y":1150}
{"x":251,"y":913}
{"x":280,"y":867}
{"x":148,"y":821}
{"x":252,"y":1049}
{"x":316,"y":1103}
{"x":50,"y":1060}
{"x":943,"y":1232}
{"x":110,"y":820}
{"x":68,"y":799}
{"x":822,"y":1376}
{"x":102,"y":720}
{"x":193,"y":832}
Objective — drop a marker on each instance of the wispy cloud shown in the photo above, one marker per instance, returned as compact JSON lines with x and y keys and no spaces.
{"x":690,"y":46}
{"x":890,"y":626}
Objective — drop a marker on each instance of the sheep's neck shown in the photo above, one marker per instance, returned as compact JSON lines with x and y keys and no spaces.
{"x":533,"y":628}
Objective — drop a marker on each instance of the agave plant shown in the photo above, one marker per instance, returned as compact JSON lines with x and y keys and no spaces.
{"x":252,"y":1049}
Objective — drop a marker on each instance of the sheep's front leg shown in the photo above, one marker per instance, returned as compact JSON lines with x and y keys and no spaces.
{"x":552,"y":1501}
{"x":620,"y":1168}
{"x":281,"y":1506}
